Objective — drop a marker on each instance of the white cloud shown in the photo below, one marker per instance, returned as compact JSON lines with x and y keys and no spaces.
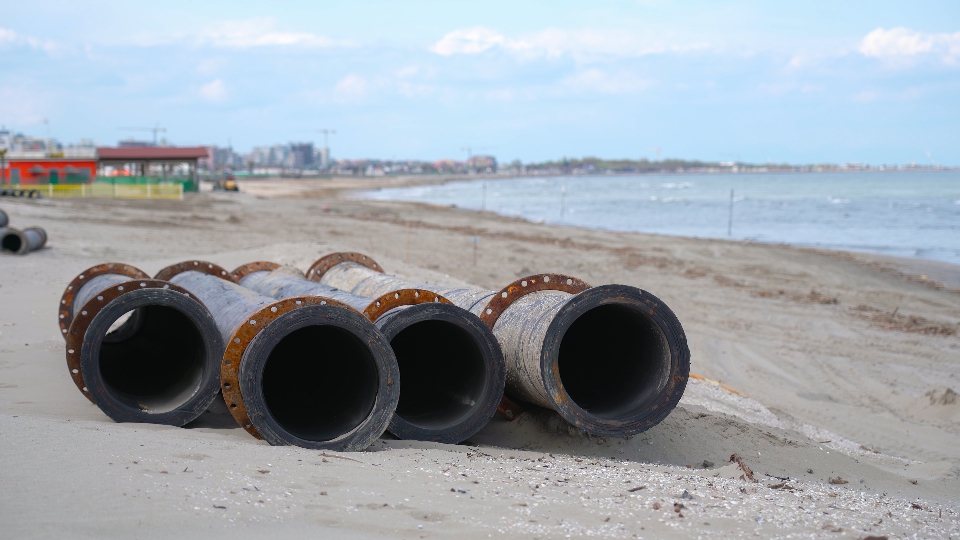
{"x":259,"y":32}
{"x":214,"y":90}
{"x":468,"y":41}
{"x":596,"y":80}
{"x":351,"y":89}
{"x":9,"y":37}
{"x":900,"y":44}
{"x":554,"y":43}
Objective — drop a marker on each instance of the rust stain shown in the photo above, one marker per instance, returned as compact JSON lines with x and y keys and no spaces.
{"x":524,"y":286}
{"x":197,"y":266}
{"x":508,"y":409}
{"x":320,"y":267}
{"x":76,"y":335}
{"x":66,"y":301}
{"x":249,"y":268}
{"x":240,"y":340}
{"x":401,"y":297}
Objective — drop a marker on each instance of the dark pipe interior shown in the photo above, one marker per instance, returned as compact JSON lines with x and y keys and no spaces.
{"x":442,"y":373}
{"x":154,"y":361}
{"x":320,"y":382}
{"x":11,"y":243}
{"x":613,"y":360}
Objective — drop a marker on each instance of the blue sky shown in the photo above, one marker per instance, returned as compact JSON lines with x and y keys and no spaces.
{"x":875,"y":82}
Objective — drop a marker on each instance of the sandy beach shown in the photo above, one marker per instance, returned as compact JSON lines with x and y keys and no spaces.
{"x":846,"y":367}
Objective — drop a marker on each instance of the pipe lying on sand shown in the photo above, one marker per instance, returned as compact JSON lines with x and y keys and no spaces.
{"x":612,"y":360}
{"x":4,"y":219}
{"x":307,"y":371}
{"x":21,"y":242}
{"x":450,"y":362}
{"x":143,"y":350}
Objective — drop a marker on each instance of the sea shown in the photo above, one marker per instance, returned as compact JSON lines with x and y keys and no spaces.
{"x":899,"y":213}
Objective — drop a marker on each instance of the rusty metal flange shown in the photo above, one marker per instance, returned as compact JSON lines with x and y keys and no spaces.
{"x":524,"y":286}
{"x":240,"y":340}
{"x":513,"y":292}
{"x":249,"y":268}
{"x":320,"y":267}
{"x":66,"y":301}
{"x":78,"y":328}
{"x":196,"y":266}
{"x":401,"y":297}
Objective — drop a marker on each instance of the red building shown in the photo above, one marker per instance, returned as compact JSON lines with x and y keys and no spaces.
{"x":26,"y":169}
{"x":82,"y":165}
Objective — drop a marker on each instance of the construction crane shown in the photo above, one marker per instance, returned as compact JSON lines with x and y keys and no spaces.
{"x":155,"y":130}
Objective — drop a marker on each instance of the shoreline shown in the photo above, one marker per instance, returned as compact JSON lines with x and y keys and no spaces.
{"x":940,"y":273}
{"x":931,"y":272}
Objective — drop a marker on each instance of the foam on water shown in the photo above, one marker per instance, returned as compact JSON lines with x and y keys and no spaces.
{"x":911,"y":214}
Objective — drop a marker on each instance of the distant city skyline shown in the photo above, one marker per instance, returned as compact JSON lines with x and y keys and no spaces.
{"x":813,"y":82}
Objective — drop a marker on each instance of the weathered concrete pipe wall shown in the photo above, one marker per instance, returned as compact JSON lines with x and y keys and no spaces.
{"x":612,"y":360}
{"x":4,"y":219}
{"x":450,"y":362}
{"x":142,"y":350}
{"x":21,"y":242}
{"x":303,"y":371}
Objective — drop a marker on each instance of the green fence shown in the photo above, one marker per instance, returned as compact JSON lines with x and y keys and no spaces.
{"x":188,"y":184}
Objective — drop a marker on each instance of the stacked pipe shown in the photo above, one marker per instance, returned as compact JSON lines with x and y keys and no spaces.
{"x":316,"y":360}
{"x":20,"y":242}
{"x":612,"y":360}
{"x":305,"y":370}
{"x":141,"y":349}
{"x":451,"y":367}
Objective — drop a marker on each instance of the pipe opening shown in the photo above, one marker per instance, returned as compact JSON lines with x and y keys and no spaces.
{"x":11,"y":242}
{"x":613,"y":361}
{"x":442,"y":371}
{"x":320,"y":382}
{"x":154,"y":360}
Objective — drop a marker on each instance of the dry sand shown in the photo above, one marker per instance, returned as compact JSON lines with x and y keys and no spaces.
{"x":850,"y":362}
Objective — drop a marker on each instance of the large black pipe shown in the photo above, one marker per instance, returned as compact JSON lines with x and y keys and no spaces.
{"x":450,"y":362}
{"x":21,"y":242}
{"x":302,"y":371}
{"x":142,"y":350}
{"x":612,"y":360}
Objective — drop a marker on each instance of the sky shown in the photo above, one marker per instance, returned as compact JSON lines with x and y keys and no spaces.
{"x":798,"y":82}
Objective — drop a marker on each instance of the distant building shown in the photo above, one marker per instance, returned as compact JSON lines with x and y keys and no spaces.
{"x":482,"y":163}
{"x":131,"y":143}
{"x":277,"y":155}
{"x":221,"y":158}
{"x":302,"y":155}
